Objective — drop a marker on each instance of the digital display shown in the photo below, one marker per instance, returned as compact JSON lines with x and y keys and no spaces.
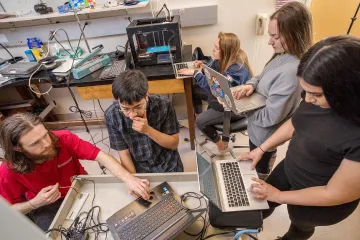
{"x":164,"y":57}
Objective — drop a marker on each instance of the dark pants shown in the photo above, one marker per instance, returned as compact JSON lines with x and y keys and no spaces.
{"x":208,"y":119}
{"x":263,"y":166}
{"x":44,"y":215}
{"x":199,"y":95}
{"x":304,"y":219}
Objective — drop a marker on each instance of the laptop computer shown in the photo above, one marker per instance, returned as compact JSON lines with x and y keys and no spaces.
{"x":178,"y":66}
{"x":219,"y":86}
{"x":161,"y":217}
{"x":226,"y":183}
{"x":20,"y":69}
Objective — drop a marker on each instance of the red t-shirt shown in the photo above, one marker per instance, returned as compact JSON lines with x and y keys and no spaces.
{"x":14,"y":186}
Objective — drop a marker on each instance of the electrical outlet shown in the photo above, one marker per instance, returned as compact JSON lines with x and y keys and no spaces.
{"x":181,"y":11}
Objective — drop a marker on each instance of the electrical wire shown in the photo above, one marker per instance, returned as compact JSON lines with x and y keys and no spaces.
{"x":239,"y":233}
{"x":82,"y":225}
{"x":33,"y":90}
{"x":102,"y":133}
{"x":7,"y":50}
{"x":164,"y":6}
{"x":62,"y":46}
{"x":100,"y":106}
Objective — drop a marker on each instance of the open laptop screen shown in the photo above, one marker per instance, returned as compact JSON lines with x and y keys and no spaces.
{"x":207,"y":179}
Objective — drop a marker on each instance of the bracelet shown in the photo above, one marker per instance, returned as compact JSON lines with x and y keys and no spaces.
{"x":32,"y":206}
{"x":261,"y":149}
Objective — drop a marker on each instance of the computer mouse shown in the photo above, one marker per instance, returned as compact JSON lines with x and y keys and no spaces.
{"x":143,"y":202}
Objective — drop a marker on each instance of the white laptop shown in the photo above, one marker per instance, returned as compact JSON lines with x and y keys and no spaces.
{"x":226,"y":183}
{"x":178,"y":66}
{"x":219,"y":86}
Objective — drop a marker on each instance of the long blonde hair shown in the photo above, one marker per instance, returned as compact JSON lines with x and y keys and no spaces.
{"x":230,"y":52}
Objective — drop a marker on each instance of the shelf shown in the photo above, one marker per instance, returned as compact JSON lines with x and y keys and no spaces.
{"x":53,"y":18}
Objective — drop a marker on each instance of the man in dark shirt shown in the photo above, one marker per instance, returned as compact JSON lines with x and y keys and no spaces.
{"x":142,"y":128}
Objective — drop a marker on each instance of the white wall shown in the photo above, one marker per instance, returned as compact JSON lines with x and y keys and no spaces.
{"x":237,"y":16}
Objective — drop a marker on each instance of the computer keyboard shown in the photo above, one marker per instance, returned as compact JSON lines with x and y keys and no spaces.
{"x":208,"y":185}
{"x":152,"y":219}
{"x":244,"y":104}
{"x":234,"y":185}
{"x":179,"y":66}
{"x":114,"y":70}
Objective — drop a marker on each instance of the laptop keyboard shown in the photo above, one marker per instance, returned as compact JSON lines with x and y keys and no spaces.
{"x":208,"y":185}
{"x":179,"y":66}
{"x":152,"y":219}
{"x":234,"y":185}
{"x":114,"y":70}
{"x":244,"y":104}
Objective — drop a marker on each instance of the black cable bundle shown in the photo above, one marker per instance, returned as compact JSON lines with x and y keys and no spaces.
{"x":85,"y":223}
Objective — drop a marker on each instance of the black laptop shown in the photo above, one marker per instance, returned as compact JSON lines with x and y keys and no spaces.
{"x":19,"y":69}
{"x":161,"y":217}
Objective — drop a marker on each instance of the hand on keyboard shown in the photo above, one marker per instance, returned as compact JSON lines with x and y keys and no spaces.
{"x":244,"y":91}
{"x":186,"y":71}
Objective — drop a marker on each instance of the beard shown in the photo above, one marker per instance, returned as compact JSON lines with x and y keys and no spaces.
{"x":47,"y":154}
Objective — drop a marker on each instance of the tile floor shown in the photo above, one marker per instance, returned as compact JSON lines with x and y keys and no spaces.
{"x":274,"y":226}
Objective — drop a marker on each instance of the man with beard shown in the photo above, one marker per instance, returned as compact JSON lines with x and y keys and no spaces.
{"x":39,"y":165}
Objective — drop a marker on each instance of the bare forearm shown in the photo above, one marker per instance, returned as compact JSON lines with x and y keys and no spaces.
{"x":283,"y":134}
{"x":164,"y":140}
{"x":24,"y":207}
{"x":112,"y":165}
{"x":314,"y":196}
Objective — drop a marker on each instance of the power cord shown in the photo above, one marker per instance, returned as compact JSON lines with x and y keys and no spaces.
{"x":206,"y":221}
{"x":7,"y":50}
{"x":81,"y":225}
{"x":102,"y":133}
{"x":164,"y":6}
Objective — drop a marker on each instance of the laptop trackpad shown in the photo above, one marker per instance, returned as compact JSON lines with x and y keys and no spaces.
{"x":245,"y":167}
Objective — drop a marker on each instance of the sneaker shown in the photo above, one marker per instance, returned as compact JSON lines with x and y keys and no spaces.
{"x":215,"y":150}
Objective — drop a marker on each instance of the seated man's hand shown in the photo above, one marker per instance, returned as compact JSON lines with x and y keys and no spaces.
{"x":46,"y":196}
{"x":186,"y":71}
{"x":140,"y":124}
{"x":137,"y":186}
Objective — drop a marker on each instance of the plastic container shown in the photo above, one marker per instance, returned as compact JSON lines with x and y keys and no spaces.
{"x":37,"y":53}
{"x":30,"y":55}
{"x":34,"y":43}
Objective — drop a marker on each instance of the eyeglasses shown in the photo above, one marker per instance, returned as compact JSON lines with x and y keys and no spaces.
{"x":134,"y":109}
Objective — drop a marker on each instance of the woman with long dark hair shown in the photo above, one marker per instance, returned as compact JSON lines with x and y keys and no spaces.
{"x":319,"y":178}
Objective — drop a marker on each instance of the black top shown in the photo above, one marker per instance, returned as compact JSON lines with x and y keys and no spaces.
{"x":321,"y":140}
{"x":147,"y":155}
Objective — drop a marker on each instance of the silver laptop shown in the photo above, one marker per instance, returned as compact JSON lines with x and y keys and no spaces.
{"x":178,"y":66}
{"x":226,"y":183}
{"x":219,"y":86}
